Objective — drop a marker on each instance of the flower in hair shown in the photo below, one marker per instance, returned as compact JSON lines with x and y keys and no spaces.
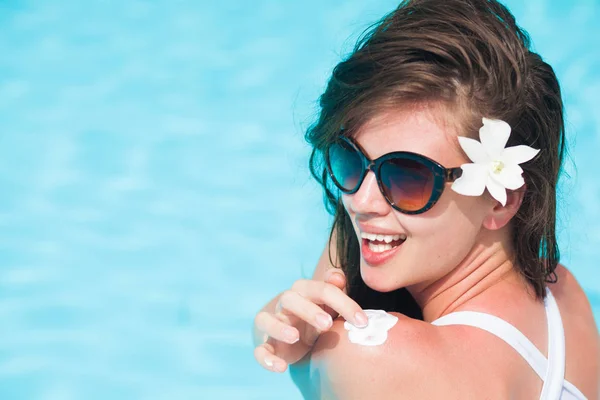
{"x":494,"y":167}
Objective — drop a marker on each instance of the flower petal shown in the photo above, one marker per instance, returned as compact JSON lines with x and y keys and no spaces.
{"x":474,"y":150}
{"x":518,"y":154}
{"x":473,"y":179}
{"x":494,"y":134}
{"x":496,"y":190}
{"x":510,"y":177}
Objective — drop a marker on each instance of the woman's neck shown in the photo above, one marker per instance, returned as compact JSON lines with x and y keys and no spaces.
{"x":487,"y":269}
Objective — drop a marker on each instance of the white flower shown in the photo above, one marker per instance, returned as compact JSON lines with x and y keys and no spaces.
{"x":494,"y":166}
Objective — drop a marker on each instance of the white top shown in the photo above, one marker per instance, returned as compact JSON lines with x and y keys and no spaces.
{"x":551,"y":370}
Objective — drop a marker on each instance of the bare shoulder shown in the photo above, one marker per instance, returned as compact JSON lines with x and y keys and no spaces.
{"x":581,"y":332}
{"x":575,"y":307}
{"x":568,"y":291}
{"x":416,"y":361}
{"x":420,"y":360}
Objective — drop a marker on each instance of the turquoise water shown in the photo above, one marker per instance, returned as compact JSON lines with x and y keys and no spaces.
{"x":155,"y":192}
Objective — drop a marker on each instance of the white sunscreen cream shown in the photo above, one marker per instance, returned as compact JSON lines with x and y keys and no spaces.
{"x":376,"y":332}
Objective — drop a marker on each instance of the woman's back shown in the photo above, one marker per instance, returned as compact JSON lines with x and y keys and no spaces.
{"x":582,"y":350}
{"x":470,"y":361}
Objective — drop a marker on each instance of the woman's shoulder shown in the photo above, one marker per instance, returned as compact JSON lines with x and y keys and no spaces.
{"x":415,"y":361}
{"x":575,"y":309}
{"x":568,"y":291}
{"x":582,"y":342}
{"x":421,"y":360}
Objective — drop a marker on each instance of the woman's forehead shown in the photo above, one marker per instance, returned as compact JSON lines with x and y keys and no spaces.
{"x":430,"y":131}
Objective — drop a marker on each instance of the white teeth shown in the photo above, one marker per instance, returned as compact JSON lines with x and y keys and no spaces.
{"x":379,"y":248}
{"x":382,"y":238}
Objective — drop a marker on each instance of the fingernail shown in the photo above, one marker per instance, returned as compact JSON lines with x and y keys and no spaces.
{"x":279,"y":367}
{"x":324,"y":321}
{"x":268,"y":362}
{"x":290,"y":335}
{"x":361,"y":319}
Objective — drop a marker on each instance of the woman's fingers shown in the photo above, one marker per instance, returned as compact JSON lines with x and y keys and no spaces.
{"x":301,"y":315}
{"x":336,"y":277}
{"x":332,"y":296}
{"x":335,"y":273}
{"x":265,"y":355}
{"x":294,"y":303}
{"x":275,"y":328}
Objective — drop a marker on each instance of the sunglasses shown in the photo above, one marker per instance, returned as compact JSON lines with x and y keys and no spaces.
{"x":411,"y":183}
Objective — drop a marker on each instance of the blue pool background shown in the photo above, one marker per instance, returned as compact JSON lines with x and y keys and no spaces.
{"x":155,"y":191}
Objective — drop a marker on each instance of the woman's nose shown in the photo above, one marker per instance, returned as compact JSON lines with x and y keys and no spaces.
{"x":368,"y":199}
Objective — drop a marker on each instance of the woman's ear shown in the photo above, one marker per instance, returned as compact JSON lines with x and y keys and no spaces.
{"x":500,"y":215}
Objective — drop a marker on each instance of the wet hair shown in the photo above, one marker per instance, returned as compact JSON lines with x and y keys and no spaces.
{"x":473,"y":58}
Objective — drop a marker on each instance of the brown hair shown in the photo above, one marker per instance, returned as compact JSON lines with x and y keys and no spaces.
{"x":471,"y":56}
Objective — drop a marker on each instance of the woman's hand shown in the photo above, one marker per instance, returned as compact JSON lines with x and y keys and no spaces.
{"x":301,"y":315}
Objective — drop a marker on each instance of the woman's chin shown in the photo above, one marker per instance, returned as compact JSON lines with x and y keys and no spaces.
{"x":378,"y":280}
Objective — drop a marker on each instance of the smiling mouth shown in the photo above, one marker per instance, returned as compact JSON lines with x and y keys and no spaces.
{"x":378,"y":246}
{"x":378,"y":243}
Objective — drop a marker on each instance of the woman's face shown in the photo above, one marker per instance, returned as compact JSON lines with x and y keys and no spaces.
{"x":438,"y":239}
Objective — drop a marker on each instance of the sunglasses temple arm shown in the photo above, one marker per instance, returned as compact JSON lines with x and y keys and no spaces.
{"x":453,"y":174}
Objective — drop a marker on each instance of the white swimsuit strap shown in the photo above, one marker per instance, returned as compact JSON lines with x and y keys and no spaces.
{"x":551,"y":370}
{"x":555,"y":373}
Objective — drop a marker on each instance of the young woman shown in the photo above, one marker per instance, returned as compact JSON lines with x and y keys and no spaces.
{"x":439,"y":146}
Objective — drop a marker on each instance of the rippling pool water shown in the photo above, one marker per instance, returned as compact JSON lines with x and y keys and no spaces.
{"x":155,"y":191}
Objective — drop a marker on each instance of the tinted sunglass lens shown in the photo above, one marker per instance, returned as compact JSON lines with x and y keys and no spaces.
{"x":408,"y":183}
{"x":345,"y":165}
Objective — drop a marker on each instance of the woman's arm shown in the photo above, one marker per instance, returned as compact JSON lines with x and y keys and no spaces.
{"x":300,"y":371}
{"x":319,"y":274}
{"x":324,"y":263}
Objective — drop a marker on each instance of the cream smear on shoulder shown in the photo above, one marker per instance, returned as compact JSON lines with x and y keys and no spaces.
{"x":376,"y":332}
